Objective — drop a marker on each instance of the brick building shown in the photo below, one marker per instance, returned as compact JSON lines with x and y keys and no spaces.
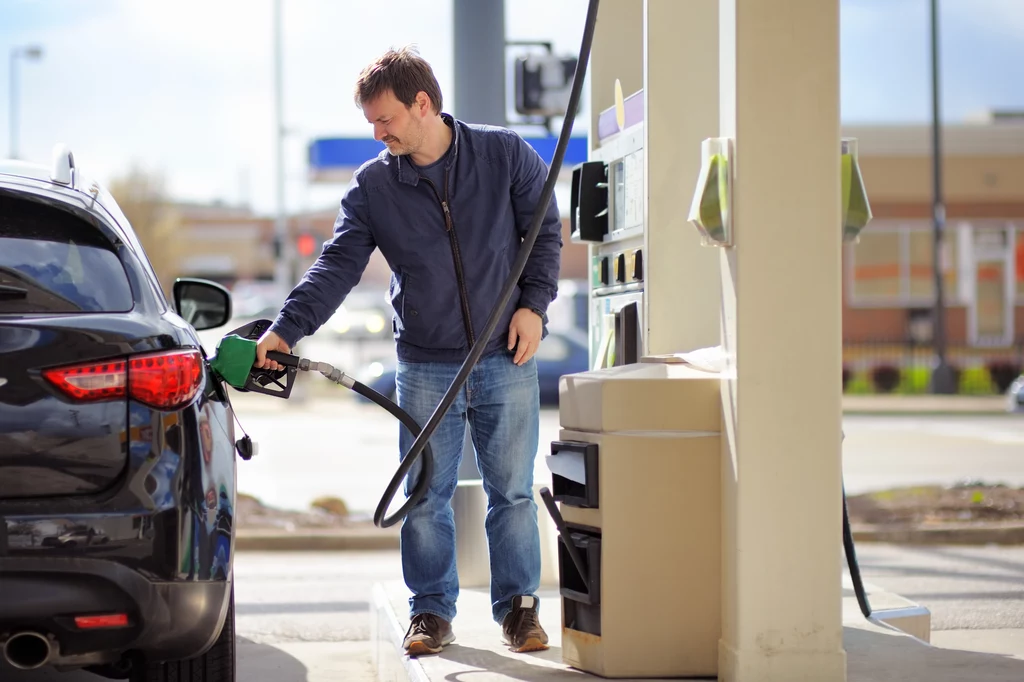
{"x":888,"y":276}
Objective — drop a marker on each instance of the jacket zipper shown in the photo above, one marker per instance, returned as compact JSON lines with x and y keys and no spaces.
{"x":457,"y":258}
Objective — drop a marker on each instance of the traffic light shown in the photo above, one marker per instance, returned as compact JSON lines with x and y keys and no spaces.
{"x":306,"y":245}
{"x":542,"y":84}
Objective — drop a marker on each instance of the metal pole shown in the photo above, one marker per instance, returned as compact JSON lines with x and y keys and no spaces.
{"x":13,"y":117}
{"x":282,"y":246}
{"x":943,"y":378}
{"x":479,"y":41}
{"x":30,"y":52}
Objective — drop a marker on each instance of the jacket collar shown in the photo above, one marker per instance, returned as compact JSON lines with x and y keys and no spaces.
{"x":408,"y":175}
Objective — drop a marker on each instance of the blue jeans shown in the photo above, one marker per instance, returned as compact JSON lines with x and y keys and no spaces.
{"x":502,"y":404}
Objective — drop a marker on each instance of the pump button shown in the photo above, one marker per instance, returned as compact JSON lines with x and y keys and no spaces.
{"x":636,"y":265}
{"x":620,"y":268}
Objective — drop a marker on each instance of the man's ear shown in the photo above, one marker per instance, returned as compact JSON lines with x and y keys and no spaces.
{"x":422,"y":103}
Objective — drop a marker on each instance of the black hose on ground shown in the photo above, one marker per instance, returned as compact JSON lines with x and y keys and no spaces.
{"x":851,"y":562}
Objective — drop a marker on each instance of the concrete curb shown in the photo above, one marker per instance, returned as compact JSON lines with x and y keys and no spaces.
{"x":925,"y":405}
{"x":328,"y":401}
{"x":946,"y":534}
{"x":360,"y":539}
{"x":375,"y":539}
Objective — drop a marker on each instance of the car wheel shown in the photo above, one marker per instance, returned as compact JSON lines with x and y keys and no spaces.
{"x":216,"y":665}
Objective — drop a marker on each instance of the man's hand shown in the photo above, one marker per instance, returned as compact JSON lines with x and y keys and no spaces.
{"x":526,"y":328}
{"x":269,"y":341}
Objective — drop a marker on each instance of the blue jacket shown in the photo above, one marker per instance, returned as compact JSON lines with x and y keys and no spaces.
{"x":450,"y":248}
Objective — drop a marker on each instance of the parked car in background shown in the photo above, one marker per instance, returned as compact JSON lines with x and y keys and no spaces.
{"x":117,"y":450}
{"x":562,"y":352}
{"x":1015,"y":395}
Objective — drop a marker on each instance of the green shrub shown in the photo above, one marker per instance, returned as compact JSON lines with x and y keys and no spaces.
{"x":915,"y":380}
{"x":976,"y":381}
{"x":859,"y":384}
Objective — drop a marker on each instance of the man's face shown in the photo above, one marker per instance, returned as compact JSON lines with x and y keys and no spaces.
{"x":397,"y":126}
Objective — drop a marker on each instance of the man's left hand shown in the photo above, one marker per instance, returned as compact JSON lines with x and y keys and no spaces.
{"x":526,"y":328}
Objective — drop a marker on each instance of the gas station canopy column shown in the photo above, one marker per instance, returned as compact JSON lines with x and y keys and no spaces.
{"x":782,"y":306}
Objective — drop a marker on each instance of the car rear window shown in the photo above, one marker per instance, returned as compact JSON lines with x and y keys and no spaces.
{"x":51,"y":261}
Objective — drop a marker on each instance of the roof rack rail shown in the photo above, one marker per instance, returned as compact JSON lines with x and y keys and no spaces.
{"x":63,"y":165}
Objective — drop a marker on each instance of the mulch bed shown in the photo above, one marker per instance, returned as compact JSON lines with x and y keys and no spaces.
{"x":924,"y":506}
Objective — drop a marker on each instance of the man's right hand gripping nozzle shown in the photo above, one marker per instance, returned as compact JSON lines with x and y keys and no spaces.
{"x":268,"y":342}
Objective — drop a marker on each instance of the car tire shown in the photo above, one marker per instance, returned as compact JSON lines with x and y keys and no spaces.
{"x":216,"y":665}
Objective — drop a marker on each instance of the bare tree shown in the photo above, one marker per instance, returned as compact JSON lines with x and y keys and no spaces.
{"x":142,"y":196}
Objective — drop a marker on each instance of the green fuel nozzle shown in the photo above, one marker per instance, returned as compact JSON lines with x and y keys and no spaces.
{"x":234,"y":362}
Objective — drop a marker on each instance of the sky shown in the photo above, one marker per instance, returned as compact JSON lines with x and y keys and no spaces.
{"x":186,"y":88}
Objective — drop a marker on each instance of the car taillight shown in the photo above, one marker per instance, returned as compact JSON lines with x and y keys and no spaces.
{"x":167,"y":380}
{"x":162,"y":380}
{"x":96,"y":381}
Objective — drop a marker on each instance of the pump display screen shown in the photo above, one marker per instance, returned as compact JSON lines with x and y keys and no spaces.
{"x":628,"y":199}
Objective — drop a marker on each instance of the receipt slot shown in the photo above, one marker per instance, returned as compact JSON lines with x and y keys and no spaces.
{"x":636,"y":497}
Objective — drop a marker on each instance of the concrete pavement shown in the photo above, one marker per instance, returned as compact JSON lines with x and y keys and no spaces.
{"x":304,"y":617}
{"x":974,"y":595}
{"x":875,"y":652}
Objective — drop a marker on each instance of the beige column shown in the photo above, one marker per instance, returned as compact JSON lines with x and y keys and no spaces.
{"x":781,"y":474}
{"x":616,"y":53}
{"x":680,"y":69}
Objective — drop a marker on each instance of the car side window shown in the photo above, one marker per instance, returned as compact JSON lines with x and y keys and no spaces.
{"x":53,"y":262}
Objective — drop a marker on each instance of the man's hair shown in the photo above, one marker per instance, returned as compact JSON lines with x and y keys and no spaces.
{"x":404,"y":73}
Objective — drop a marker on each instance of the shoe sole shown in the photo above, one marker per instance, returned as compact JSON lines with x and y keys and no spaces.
{"x":421,"y":648}
{"x":531,"y":644}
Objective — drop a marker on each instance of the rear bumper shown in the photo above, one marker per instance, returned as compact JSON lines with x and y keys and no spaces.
{"x":167,"y":620}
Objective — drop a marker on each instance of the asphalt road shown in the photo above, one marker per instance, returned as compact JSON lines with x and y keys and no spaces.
{"x":887,"y":451}
{"x":304,"y":617}
{"x":338,"y":447}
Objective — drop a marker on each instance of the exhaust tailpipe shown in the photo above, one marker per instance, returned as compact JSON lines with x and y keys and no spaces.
{"x":27,"y":650}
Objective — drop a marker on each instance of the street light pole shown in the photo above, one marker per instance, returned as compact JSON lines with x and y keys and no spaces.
{"x":282,"y":246}
{"x":943,"y":377}
{"x":32,"y":52}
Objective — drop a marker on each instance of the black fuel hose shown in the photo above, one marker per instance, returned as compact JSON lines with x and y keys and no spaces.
{"x":477,"y":350}
{"x":339,"y":377}
{"x":427,"y":467}
{"x":851,"y":562}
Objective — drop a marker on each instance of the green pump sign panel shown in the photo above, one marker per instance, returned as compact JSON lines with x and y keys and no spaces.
{"x":712,"y":202}
{"x":856,"y":209}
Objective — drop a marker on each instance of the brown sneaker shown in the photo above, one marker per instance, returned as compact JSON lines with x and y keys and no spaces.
{"x":521,"y":628}
{"x":427,"y":634}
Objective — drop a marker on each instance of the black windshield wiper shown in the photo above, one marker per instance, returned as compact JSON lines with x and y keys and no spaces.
{"x":9,"y":292}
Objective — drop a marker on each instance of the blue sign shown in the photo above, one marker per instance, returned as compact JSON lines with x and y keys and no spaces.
{"x":348,"y":153}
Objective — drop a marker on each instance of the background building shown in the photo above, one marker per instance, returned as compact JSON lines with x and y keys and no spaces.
{"x":888,"y":278}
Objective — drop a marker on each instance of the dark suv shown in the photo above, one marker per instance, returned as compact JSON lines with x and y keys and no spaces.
{"x":117,"y":445}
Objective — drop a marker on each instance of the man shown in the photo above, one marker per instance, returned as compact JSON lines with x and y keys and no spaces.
{"x":448,"y":204}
